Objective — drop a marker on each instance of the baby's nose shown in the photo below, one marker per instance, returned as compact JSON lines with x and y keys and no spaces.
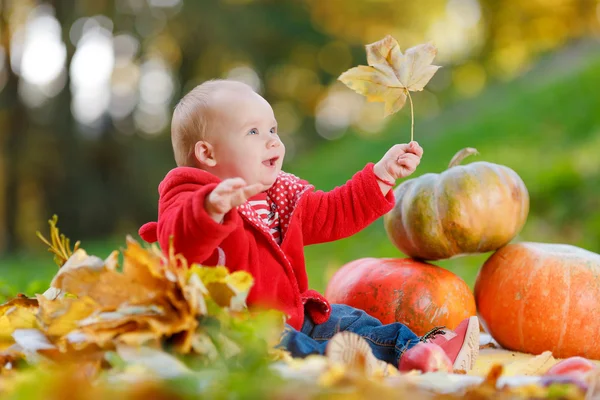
{"x":273,"y":143}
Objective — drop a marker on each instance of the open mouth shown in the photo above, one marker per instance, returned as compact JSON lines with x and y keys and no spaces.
{"x":270,"y":162}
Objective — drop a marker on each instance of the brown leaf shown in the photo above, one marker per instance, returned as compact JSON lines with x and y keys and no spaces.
{"x":143,"y":266}
{"x":148,"y":319}
{"x":391,"y":74}
{"x":89,"y":276}
{"x":93,"y":335}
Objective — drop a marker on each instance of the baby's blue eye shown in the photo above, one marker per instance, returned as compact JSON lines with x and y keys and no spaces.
{"x":253,"y":132}
{"x":274,"y":131}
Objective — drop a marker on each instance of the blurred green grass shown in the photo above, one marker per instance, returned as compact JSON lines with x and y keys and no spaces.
{"x":543,"y":125}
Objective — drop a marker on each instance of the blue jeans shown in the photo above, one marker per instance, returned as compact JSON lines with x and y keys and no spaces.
{"x":387,"y":341}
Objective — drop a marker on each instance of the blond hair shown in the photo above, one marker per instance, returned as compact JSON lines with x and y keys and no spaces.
{"x":191,"y":118}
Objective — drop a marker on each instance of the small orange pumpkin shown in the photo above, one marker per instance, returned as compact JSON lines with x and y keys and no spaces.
{"x":535,"y":297}
{"x":417,"y":294}
{"x":473,"y":208}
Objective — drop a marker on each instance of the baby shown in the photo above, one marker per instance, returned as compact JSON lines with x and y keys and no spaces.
{"x":229,"y":203}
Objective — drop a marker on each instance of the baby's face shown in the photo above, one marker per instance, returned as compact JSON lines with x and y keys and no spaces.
{"x":244,"y":138}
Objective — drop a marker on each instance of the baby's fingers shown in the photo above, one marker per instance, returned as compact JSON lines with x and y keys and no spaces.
{"x":230,"y":185}
{"x":241,"y":195}
{"x":408,"y":157}
{"x":253,"y":190}
{"x":415,"y":148}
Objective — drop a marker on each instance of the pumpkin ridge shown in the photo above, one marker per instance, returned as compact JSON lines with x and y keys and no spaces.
{"x":510,"y":186}
{"x":458,"y":231}
{"x":441,"y":228}
{"x":487,"y":226}
{"x":524,"y":200}
{"x":567,"y":304}
{"x":431,"y":242}
{"x":408,"y":195}
{"x":532,"y":274}
{"x":445,"y":226}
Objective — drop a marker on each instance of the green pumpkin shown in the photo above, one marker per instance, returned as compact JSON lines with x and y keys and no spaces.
{"x":467,"y":209}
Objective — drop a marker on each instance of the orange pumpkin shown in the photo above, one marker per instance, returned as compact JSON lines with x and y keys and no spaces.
{"x":534,"y":297}
{"x":417,"y":294}
{"x":473,"y":208}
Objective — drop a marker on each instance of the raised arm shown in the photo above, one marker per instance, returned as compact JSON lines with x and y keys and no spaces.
{"x":348,"y":209}
{"x":345,"y":210}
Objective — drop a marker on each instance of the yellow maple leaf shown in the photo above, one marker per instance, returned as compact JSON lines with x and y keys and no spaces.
{"x":513,"y":363}
{"x":391,"y":75}
{"x":58,"y":317}
{"x":18,"y":313}
{"x":227,"y":290}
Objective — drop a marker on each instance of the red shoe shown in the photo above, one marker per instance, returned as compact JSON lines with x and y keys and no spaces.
{"x":461,"y":345}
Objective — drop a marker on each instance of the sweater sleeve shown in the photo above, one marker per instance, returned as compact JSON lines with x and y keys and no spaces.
{"x":195,"y":234}
{"x":344,"y":211}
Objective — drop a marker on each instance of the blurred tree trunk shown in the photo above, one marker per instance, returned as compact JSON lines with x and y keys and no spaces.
{"x":62,"y":194}
{"x":13,"y":139}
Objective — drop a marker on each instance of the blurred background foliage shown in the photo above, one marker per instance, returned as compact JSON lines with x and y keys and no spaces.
{"x":88,"y":86}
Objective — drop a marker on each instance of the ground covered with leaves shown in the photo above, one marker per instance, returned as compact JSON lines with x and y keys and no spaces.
{"x":144,"y":324}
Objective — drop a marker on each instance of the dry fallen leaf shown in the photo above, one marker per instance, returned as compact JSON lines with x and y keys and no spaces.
{"x":391,"y":75}
{"x":534,"y":366}
{"x":32,"y":343}
{"x":60,"y":316}
{"x":18,"y":313}
{"x":514,"y":363}
{"x":227,"y":290}
{"x":84,"y":275}
{"x":154,"y":361}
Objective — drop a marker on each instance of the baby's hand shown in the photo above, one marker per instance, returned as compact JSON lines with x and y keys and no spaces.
{"x":229,"y":194}
{"x":399,"y":162}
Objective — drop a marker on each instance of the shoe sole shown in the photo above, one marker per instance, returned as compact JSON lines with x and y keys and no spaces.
{"x":465,"y":359}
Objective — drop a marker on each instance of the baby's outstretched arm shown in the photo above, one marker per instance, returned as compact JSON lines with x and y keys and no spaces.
{"x":399,"y":162}
{"x":229,"y":194}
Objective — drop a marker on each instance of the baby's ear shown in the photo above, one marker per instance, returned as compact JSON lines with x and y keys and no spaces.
{"x":204,"y":153}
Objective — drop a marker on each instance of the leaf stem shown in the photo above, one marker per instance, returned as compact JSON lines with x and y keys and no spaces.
{"x":412,"y":117}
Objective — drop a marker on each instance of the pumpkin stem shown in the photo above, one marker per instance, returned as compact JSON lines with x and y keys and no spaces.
{"x":461,"y":155}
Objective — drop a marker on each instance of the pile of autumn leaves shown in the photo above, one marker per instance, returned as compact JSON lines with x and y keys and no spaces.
{"x":138,"y":320}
